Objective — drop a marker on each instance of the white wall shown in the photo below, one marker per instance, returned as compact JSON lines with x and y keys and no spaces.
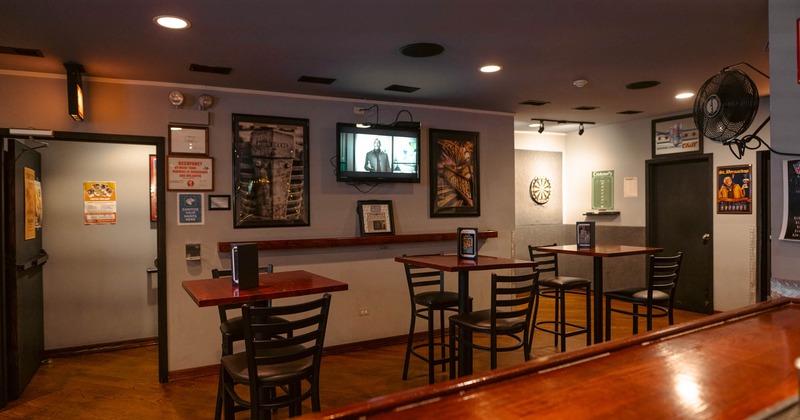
{"x":624,"y":148}
{"x":376,"y":281}
{"x":96,"y":287}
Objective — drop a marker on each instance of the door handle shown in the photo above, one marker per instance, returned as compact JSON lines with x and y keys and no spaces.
{"x":706,"y":237}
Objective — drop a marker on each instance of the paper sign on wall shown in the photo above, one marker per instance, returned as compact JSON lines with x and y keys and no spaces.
{"x":99,"y":202}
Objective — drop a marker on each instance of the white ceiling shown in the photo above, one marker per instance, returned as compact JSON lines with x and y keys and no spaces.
{"x":543,"y":45}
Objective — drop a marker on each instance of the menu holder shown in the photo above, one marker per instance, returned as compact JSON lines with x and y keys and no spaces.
{"x":244,"y":265}
{"x":584,"y":234}
{"x":467,"y":243}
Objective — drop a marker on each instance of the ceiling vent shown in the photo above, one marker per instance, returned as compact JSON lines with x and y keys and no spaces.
{"x":401,"y":88}
{"x":318,"y":80}
{"x":30,"y":52}
{"x":585,"y":108}
{"x":646,"y":84}
{"x":532,"y":102}
{"x":629,"y":112}
{"x":210,"y":69}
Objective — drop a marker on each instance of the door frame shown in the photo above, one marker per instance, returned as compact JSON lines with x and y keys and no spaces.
{"x":763,"y":226}
{"x":161,"y":233}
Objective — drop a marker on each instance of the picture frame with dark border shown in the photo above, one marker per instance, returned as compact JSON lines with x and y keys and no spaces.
{"x":375,"y":217}
{"x":454,"y":173}
{"x":735,"y":189}
{"x":188,"y":140}
{"x":270,"y":171}
{"x":153,"y":191}
{"x":676,"y":135}
{"x":219,"y":202}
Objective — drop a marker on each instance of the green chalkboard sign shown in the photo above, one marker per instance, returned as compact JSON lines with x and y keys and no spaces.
{"x":602,"y":190}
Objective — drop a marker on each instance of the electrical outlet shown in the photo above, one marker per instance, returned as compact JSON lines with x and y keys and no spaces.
{"x":363,"y":312}
{"x":358,"y":110}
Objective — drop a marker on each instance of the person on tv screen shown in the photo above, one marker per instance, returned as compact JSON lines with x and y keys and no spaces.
{"x":377,"y":160}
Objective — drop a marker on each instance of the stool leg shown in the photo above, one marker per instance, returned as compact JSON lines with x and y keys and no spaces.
{"x":588,"y":316}
{"x":452,"y":351}
{"x":608,"y":318}
{"x":635,"y":319}
{"x":443,"y":342}
{"x":431,"y":345}
{"x":556,"y":302}
{"x":563,"y":326}
{"x":533,"y":319}
{"x":410,"y":342}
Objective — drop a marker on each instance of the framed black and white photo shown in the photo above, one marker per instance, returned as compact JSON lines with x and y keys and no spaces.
{"x":454,"y":173}
{"x":219,"y":202}
{"x":188,"y":140}
{"x":375,"y":217}
{"x":270,"y":171}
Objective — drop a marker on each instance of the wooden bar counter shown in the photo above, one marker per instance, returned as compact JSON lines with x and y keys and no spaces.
{"x":735,"y":364}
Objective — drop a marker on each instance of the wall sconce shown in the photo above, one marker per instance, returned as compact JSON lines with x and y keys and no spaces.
{"x":74,"y":90}
{"x":204,"y":102}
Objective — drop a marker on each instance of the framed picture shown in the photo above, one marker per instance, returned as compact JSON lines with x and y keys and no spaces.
{"x":454,"y":173}
{"x":676,"y":135}
{"x":734,"y":189}
{"x":584,"y":234}
{"x":188,"y":173}
{"x":188,"y":140}
{"x":219,"y":202}
{"x":153,"y":195}
{"x":375,"y":217}
{"x":270,"y":171}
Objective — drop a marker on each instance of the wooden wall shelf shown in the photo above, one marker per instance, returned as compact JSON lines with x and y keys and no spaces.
{"x":354,"y":241}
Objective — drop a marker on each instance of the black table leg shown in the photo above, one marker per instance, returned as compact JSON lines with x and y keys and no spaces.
{"x":465,"y":352}
{"x":598,"y":299}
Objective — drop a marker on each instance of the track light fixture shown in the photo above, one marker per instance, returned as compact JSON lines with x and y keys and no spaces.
{"x":580,"y":124}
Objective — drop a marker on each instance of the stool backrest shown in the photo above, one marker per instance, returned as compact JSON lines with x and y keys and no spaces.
{"x":512,"y":297}
{"x":422,"y":278}
{"x":663,"y":274}
{"x":546,"y":262}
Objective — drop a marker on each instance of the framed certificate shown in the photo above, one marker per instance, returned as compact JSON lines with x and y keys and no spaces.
{"x":186,"y":173}
{"x":188,"y":140}
{"x":375,"y":217}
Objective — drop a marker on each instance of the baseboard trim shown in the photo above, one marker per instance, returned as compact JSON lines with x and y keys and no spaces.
{"x":191,"y":373}
{"x":100,"y":347}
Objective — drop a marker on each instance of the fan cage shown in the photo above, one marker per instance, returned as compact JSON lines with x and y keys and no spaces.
{"x":726,"y":105}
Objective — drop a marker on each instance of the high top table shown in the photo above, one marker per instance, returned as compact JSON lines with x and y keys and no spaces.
{"x":463,"y":266}
{"x":598,"y":252}
{"x":220,"y":291}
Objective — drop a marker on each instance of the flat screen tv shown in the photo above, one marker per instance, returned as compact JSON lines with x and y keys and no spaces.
{"x":379,"y":153}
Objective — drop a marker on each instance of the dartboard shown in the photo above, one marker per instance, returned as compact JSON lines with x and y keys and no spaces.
{"x":540,"y":190}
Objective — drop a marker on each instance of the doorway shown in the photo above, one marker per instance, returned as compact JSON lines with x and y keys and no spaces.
{"x":160,"y":253}
{"x":680,"y":219}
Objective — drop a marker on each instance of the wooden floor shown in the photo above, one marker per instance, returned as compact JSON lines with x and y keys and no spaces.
{"x":124,"y":384}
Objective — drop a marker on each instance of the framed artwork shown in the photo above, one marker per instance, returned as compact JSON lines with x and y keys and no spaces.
{"x":270,"y":171}
{"x":454,"y":173}
{"x":676,"y":135}
{"x":602,"y":190}
{"x":153,"y":195}
{"x":734,"y":189}
{"x":188,"y":140}
{"x":584,"y":234}
{"x":375,"y":217}
{"x":189,"y":173}
{"x":219,"y":202}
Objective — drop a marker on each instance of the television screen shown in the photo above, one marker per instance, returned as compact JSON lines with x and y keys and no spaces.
{"x":380,"y":153}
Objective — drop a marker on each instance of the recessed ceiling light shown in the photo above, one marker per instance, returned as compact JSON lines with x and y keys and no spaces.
{"x":172,"y":22}
{"x":684,"y":95}
{"x":492,"y":68}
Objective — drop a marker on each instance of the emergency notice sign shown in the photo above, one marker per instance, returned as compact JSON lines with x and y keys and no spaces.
{"x":185,"y":173}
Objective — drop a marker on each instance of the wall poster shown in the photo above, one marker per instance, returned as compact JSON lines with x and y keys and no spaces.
{"x":790,"y":230}
{"x":602,"y":190}
{"x":99,"y":202}
{"x":734,"y":191}
{"x":190,"y":209}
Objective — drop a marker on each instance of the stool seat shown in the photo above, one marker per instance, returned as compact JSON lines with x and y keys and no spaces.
{"x":562,"y":281}
{"x":437,"y":299}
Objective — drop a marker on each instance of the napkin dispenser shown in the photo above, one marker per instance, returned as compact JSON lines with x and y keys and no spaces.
{"x":467,"y":242}
{"x":244,"y":265}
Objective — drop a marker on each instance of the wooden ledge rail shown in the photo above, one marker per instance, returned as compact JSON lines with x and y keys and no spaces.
{"x":353,"y":241}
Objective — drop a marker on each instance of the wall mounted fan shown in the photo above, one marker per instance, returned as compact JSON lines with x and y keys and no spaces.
{"x":726,"y":105}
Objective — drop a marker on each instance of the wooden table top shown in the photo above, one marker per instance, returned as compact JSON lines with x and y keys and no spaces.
{"x":734,"y":364}
{"x":220,"y":291}
{"x":601,"y":250}
{"x":451,"y":262}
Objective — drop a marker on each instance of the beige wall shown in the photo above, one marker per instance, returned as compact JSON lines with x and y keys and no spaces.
{"x":376,"y":281}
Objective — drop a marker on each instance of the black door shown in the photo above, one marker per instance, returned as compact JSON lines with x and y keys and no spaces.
{"x":680,"y":205}
{"x":22,"y":274}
